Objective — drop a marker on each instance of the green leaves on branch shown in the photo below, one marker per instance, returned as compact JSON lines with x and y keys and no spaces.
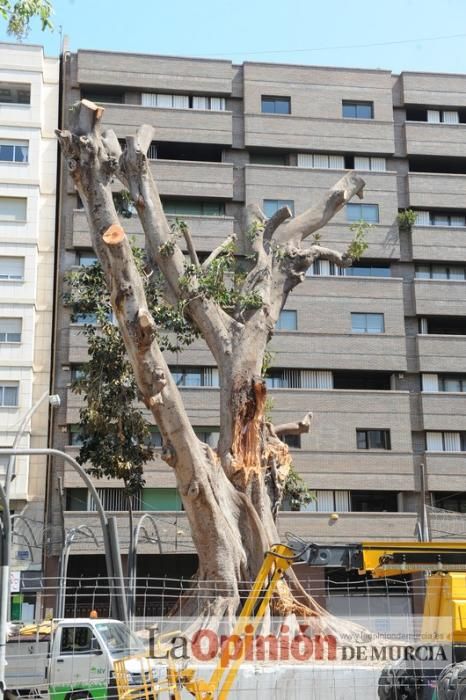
{"x":221,"y":281}
{"x":406,"y":219}
{"x":296,"y":493}
{"x":20,"y":13}
{"x":359,"y":244}
{"x":114,"y":433}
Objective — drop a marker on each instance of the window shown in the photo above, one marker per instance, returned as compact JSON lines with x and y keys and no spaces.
{"x":287,"y":321}
{"x":270,"y":206}
{"x":76,"y":499}
{"x":357,"y":110}
{"x":103,"y":94}
{"x":363,"y":212}
{"x":154,"y":499}
{"x":77,"y":372}
{"x":75,"y":437}
{"x":14,"y":151}
{"x":10,"y":330}
{"x":374,"y":501}
{"x":9,"y":392}
{"x":269,"y":159}
{"x":293,"y":441}
{"x":441,"y":218}
{"x":77,"y":640}
{"x":13,"y":208}
{"x":172,"y":101}
{"x":275,"y":105}
{"x":443,"y":116}
{"x":11,"y":269}
{"x":440,"y":272}
{"x":85,"y":258}
{"x":181,"y":207}
{"x":372,"y":439}
{"x":195,"y":376}
{"x":210,"y":436}
{"x":373,"y":163}
{"x":367,"y":269}
{"x":445,"y":441}
{"x":328,"y":502}
{"x":15,"y":93}
{"x":452,"y":382}
{"x":115,"y":499}
{"x":449,"y":500}
{"x":283,"y":379}
{"x":321,"y":160}
{"x":443,"y":325}
{"x":367,"y":323}
{"x":84,"y":319}
{"x":361,"y":380}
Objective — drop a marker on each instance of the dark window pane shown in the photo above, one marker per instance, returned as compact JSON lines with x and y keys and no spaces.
{"x":361,"y":439}
{"x":293,"y":441}
{"x":349,"y":110}
{"x":276,"y":105}
{"x":364,"y":111}
{"x":6,"y":153}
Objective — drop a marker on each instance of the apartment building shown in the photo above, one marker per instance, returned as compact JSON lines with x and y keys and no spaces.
{"x":29,"y":93}
{"x":378,"y":352}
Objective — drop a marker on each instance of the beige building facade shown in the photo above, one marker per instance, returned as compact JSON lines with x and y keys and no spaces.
{"x":378,"y":353}
{"x":29,"y":94}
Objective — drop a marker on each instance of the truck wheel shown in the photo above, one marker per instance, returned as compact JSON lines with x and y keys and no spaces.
{"x":451,"y":684}
{"x":79,"y":695}
{"x":399,"y":681}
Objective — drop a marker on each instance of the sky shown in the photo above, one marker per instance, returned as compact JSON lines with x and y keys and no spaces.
{"x":421,"y":35}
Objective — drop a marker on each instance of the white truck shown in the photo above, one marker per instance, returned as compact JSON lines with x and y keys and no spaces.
{"x":75,"y":662}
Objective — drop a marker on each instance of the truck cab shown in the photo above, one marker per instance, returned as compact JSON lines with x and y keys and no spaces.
{"x":77,"y":661}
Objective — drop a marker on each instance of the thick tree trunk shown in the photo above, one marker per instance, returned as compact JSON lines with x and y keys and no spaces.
{"x":231,"y":496}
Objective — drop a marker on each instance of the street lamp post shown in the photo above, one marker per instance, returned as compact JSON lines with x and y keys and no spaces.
{"x":62,"y":577}
{"x":133,"y":558}
{"x":111,"y":546}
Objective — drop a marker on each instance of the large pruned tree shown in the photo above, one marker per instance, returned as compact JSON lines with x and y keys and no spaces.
{"x":230,"y":495}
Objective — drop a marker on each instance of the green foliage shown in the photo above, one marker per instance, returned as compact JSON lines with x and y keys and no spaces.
{"x":406,"y":219}
{"x":359,"y":244}
{"x":221,"y":281}
{"x":123,"y":203}
{"x":296,"y":493}
{"x":19,"y":15}
{"x":115,"y":435}
{"x":267,"y":362}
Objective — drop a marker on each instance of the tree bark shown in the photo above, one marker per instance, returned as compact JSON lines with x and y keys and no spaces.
{"x":231,"y":496}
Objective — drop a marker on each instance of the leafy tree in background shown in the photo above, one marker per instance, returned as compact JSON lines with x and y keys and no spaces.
{"x":19,"y":15}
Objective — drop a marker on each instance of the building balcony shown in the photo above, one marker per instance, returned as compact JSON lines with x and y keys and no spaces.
{"x":184,"y":125}
{"x":152,"y":73}
{"x":434,"y":89}
{"x":207,"y":231}
{"x":441,"y":353}
{"x":424,"y":139}
{"x":323,"y":134}
{"x":445,"y":470}
{"x":349,"y":527}
{"x":440,"y":297}
{"x":305,"y":186}
{"x":436,"y":190}
{"x":444,"y":411}
{"x":448,"y":242}
{"x":193,"y":179}
{"x":175,"y":534}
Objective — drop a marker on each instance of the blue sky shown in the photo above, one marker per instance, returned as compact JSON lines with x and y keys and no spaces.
{"x":426,"y":35}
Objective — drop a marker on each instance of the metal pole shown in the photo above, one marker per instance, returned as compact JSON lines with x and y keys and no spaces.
{"x":102,"y":515}
{"x":5,"y":539}
{"x":54,"y":401}
{"x":119,"y":583}
{"x":425,"y":529}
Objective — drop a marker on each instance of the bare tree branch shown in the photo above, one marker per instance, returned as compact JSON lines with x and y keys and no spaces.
{"x":219,"y":250}
{"x":274,"y":222}
{"x":318,"y":252}
{"x":190,"y":245}
{"x":302,"y":426}
{"x":299,"y":228}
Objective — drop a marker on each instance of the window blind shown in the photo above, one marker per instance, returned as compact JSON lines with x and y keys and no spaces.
{"x":429,"y":382}
{"x":434,"y":441}
{"x":316,"y":379}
